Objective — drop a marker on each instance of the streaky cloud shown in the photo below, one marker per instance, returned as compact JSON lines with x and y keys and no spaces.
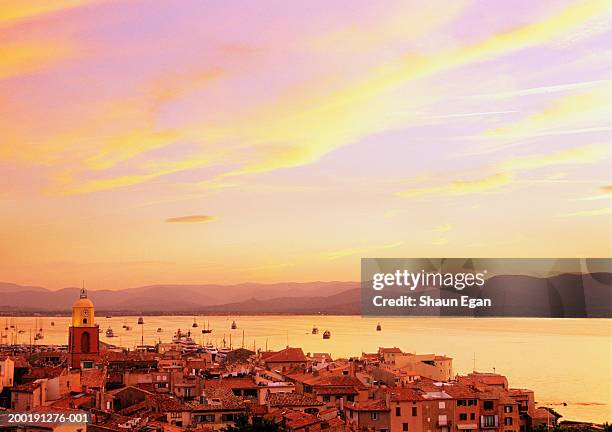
{"x":191,"y":219}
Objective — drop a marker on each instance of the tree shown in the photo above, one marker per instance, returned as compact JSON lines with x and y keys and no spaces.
{"x":242,"y":424}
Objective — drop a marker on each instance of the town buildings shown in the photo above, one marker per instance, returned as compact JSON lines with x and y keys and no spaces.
{"x":176,"y":390}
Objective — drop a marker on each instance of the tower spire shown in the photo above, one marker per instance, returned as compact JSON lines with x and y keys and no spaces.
{"x":83,"y":291}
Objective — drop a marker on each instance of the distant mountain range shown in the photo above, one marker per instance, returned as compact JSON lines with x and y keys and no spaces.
{"x":263,"y":298}
{"x":565,"y":295}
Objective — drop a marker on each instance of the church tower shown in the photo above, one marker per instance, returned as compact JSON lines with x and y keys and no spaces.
{"x":83,"y":339}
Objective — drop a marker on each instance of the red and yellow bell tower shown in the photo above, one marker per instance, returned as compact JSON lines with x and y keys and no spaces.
{"x":83,"y":339}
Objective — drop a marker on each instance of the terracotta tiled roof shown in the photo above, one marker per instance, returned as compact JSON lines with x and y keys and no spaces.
{"x":299,"y":419}
{"x":368,"y":405}
{"x":394,"y":350}
{"x":287,"y":355}
{"x":94,"y":378}
{"x":73,"y":402}
{"x":258,"y":410}
{"x":234,"y":383}
{"x":460,"y":391}
{"x":545,"y":413}
{"x":165,"y":403}
{"x":44,"y":372}
{"x":405,"y":394}
{"x":292,"y":400}
{"x":338,"y":380}
{"x":335,"y":390}
{"x":26,"y":388}
{"x":227,"y":400}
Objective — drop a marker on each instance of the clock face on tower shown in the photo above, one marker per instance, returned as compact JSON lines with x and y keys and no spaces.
{"x":85,"y":312}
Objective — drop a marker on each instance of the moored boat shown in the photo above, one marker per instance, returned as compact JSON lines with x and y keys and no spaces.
{"x":207,"y":329}
{"x":326,"y":334}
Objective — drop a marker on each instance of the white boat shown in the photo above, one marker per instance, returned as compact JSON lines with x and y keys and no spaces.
{"x":209,"y":347}
{"x":185,"y":342}
{"x":110,"y":333}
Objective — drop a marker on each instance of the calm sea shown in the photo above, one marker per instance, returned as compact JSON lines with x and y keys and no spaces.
{"x":567,"y":362}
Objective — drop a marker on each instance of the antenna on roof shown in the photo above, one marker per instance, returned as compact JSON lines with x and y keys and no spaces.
{"x":474,"y":361}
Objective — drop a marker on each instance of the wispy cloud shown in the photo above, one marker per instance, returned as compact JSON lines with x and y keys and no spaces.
{"x":576,"y":155}
{"x":557,"y":88}
{"x":191,"y":219}
{"x":15,"y":12}
{"x":439,"y":241}
{"x":27,"y":57}
{"x":462,"y":187}
{"x":360,"y":250}
{"x":594,"y":212}
{"x":442,"y":228}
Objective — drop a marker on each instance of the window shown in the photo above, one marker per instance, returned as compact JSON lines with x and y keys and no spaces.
{"x":405,"y":427}
{"x":488,"y":421}
{"x":175,"y":414}
{"x":471,"y":402}
{"x":462,"y":402}
{"x":228,"y":417}
{"x":350,"y":398}
{"x":441,"y":405}
{"x":208,"y":418}
{"x":508,"y":408}
{"x":463,"y":416}
{"x":85,"y":342}
{"x":488,"y":405}
{"x":508,"y":421}
{"x":326,"y":398}
{"x":472,"y":416}
{"x":414,"y":411}
{"x":398,"y":411}
{"x":374,"y":416}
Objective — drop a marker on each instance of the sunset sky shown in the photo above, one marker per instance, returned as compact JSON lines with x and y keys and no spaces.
{"x":202,"y":141}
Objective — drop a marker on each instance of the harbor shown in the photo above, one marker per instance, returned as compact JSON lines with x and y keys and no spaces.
{"x":550,"y":370}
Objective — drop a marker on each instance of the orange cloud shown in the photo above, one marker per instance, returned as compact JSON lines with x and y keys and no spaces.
{"x":23,"y":58}
{"x":191,"y":219}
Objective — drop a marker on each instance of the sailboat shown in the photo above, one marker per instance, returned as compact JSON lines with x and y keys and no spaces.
{"x":234,"y":325}
{"x":378,"y":327}
{"x":207,"y":329}
{"x":195,"y":324}
{"x":109,"y":332}
{"x":326,"y":334}
{"x":315,"y":330}
{"x":39,"y":334}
